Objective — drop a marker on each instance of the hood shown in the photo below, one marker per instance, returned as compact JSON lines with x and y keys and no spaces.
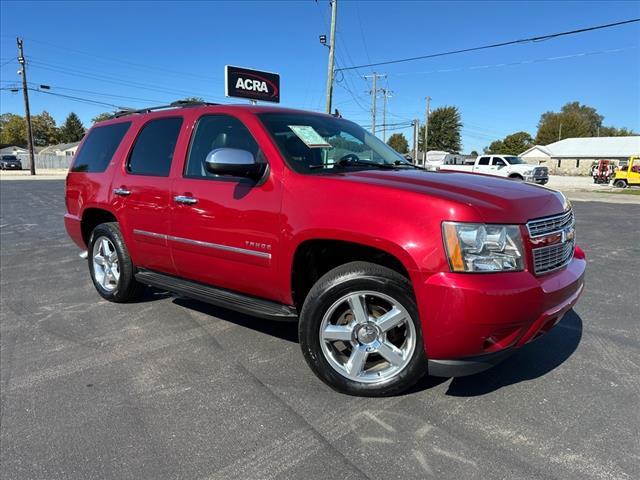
{"x":495,"y":199}
{"x":523,"y":166}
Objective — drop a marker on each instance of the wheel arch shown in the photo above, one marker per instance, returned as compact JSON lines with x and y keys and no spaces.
{"x":314,"y":256}
{"x":92,"y":217}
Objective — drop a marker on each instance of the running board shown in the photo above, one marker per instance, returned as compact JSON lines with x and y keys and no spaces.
{"x":223,"y":298}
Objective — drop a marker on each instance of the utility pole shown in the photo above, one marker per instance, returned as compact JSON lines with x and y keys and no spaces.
{"x":27,"y":112}
{"x":386,"y":94}
{"x":426,"y":129}
{"x":332,"y":50}
{"x":416,"y":134}
{"x":374,"y":93}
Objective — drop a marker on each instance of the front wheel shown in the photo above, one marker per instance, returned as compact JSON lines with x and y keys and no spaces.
{"x":359,"y":331}
{"x":110,"y":266}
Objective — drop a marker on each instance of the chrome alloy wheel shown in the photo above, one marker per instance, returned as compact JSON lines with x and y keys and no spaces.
{"x":367,"y":337}
{"x":105,"y":264}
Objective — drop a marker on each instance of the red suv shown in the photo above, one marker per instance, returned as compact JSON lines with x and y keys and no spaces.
{"x":390,"y":270}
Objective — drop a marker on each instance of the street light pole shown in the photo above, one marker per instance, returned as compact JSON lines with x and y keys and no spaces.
{"x":386,"y":94}
{"x":426,"y":129}
{"x":332,"y":50}
{"x":27,"y":111}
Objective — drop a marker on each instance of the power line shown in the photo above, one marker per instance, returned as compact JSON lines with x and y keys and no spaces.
{"x":79,"y":99}
{"x":108,"y":79}
{"x":102,"y":94}
{"x":496,"y":45}
{"x":14,"y":85}
{"x":125,"y":62}
{"x":520,"y":62}
{"x":343,"y":82}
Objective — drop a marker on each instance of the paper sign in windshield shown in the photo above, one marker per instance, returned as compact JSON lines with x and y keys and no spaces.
{"x":309,"y":136}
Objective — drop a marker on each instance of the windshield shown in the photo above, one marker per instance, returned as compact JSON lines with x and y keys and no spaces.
{"x":9,"y":157}
{"x":317,"y":143}
{"x":514,"y":160}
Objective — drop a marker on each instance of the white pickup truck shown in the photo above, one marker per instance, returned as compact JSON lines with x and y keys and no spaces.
{"x":508,"y":166}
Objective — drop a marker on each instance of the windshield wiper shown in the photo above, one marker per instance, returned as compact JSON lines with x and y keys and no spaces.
{"x":364,"y":163}
{"x":411,"y":165}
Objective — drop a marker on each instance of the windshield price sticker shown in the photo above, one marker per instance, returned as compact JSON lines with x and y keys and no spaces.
{"x":309,"y":136}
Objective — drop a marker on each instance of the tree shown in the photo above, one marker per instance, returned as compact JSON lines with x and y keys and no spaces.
{"x":102,"y":116}
{"x":13,"y":129}
{"x":494,"y":147}
{"x":44,"y":130}
{"x":513,"y":144}
{"x":398,"y":142}
{"x":573,"y":120}
{"x":474,"y":153}
{"x":72,"y":129}
{"x":616,"y":132}
{"x":444,"y":130}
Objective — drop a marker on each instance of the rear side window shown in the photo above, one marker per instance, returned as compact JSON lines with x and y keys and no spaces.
{"x":483,"y":161}
{"x":99,"y":147}
{"x":153,"y":151}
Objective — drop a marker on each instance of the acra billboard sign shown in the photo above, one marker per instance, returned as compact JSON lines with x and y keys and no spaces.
{"x":252,"y":84}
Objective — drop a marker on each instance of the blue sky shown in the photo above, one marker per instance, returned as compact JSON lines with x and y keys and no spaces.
{"x":155,"y":52}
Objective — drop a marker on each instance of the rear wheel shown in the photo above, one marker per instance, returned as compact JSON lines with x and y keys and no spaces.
{"x":110,"y":266}
{"x":359,"y":331}
{"x":620,"y":184}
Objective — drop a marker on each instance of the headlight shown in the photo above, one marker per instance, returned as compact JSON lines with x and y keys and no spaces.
{"x":478,"y":247}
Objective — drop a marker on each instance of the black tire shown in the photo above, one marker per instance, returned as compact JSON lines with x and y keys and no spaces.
{"x":329,"y":289}
{"x":620,"y":184}
{"x":127,"y":288}
{"x":517,"y":178}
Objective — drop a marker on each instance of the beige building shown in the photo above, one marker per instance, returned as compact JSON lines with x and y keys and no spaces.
{"x":575,"y":156}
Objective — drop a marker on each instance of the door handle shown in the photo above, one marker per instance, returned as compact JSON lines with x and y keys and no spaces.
{"x":186,"y":200}
{"x":123,"y":192}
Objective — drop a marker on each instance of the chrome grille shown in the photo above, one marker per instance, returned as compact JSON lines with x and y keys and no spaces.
{"x":540,"y":172}
{"x":552,"y":257}
{"x":546,"y":226}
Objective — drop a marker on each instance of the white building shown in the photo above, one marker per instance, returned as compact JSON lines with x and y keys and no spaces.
{"x":13,"y":150}
{"x":575,"y":156}
{"x":61,"y":150}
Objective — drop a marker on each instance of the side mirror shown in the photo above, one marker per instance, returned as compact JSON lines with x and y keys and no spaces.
{"x":234,"y":162}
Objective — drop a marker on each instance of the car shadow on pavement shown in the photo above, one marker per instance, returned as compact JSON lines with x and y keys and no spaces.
{"x":529,"y":362}
{"x":151,"y":295}
{"x":284,"y":330}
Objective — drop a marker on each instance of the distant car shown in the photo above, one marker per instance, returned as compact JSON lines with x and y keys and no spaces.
{"x":10,"y":162}
{"x":509,"y":166}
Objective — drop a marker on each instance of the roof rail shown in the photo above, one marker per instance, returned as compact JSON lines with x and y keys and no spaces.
{"x":176,"y":104}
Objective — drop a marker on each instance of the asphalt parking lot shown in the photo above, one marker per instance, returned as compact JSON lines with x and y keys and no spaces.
{"x":173,"y":388}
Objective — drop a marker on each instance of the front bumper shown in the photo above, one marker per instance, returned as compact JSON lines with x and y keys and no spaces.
{"x":537,"y":179}
{"x":473,"y":321}
{"x":10,"y":166}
